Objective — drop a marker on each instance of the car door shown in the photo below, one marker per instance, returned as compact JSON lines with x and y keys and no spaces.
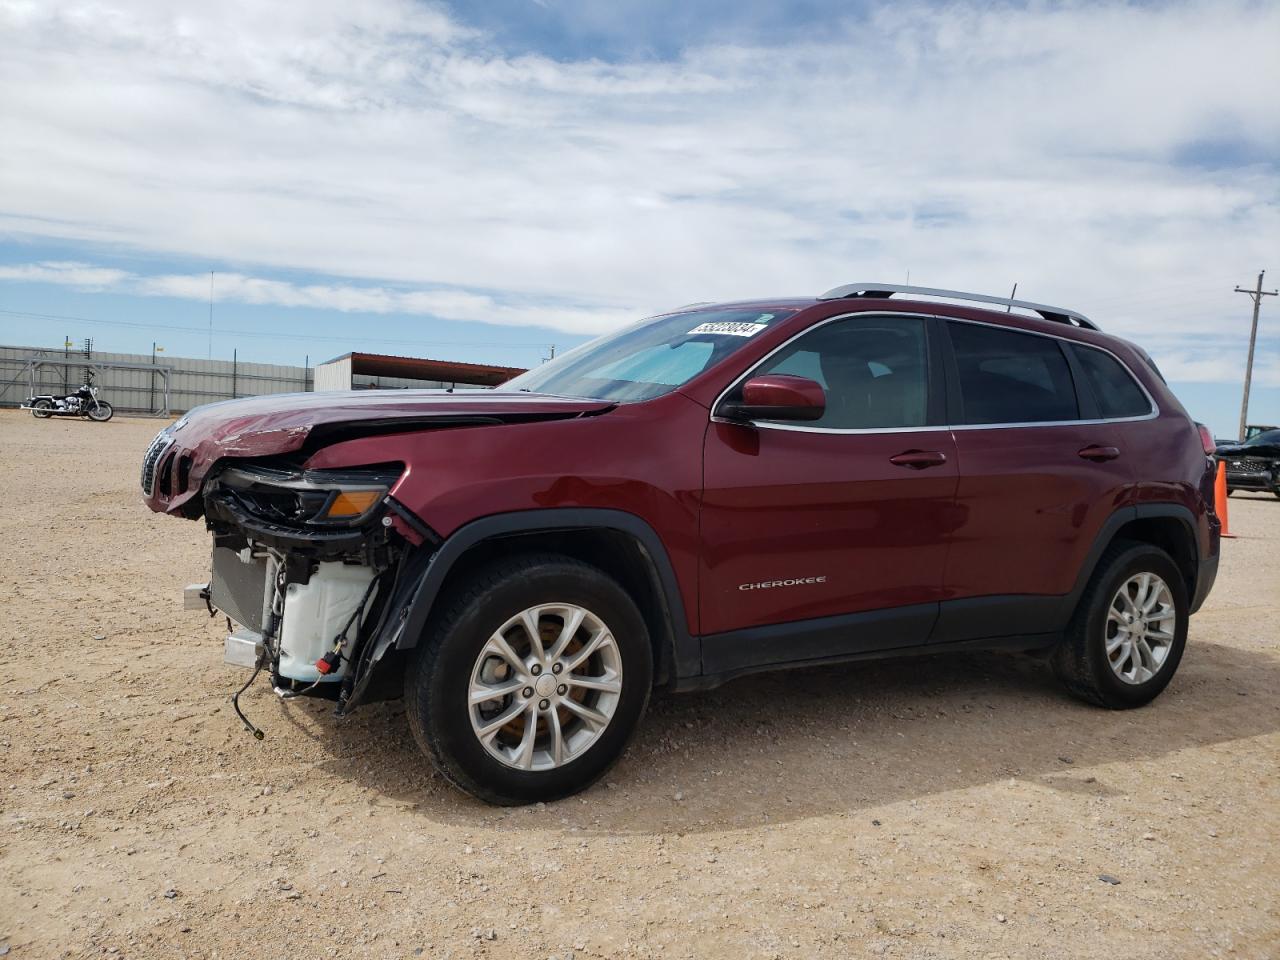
{"x":1040,"y":473}
{"x":829,"y":538}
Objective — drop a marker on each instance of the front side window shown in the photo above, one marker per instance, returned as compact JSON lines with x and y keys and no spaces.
{"x":1113,"y":386}
{"x":650,"y":358}
{"x":875,"y":371}
{"x":1011,"y":377}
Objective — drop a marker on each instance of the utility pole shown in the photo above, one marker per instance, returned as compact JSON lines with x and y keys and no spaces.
{"x":1256,"y":295}
{"x":210,"y":314}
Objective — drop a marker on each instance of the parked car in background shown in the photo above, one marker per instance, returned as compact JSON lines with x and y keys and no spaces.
{"x":1254,"y":464}
{"x":720,"y":490}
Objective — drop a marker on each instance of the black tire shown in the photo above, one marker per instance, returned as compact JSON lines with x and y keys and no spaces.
{"x":99,"y":411}
{"x":42,"y":409}
{"x":1080,"y":659}
{"x":440,"y":671}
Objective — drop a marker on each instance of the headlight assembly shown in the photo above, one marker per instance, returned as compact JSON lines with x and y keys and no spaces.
{"x":325,"y":498}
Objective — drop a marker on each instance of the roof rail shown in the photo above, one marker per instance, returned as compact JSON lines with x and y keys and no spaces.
{"x":885,"y":290}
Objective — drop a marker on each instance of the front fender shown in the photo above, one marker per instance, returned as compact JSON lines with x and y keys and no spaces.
{"x":424,"y":572}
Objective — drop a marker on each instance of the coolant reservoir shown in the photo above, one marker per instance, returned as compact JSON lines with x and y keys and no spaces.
{"x":315,"y":613}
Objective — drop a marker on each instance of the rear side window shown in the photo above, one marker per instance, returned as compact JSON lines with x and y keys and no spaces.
{"x":1113,"y":386}
{"x":1011,"y":377}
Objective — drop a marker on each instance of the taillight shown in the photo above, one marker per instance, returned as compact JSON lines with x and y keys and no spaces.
{"x":1206,"y":439}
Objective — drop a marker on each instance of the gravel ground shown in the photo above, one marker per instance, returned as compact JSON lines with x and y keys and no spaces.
{"x":954,"y":806}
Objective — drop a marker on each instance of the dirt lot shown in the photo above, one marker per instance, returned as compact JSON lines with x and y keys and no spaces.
{"x":942,"y":807}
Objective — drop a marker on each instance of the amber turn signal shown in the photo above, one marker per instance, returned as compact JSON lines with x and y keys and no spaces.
{"x":352,"y":503}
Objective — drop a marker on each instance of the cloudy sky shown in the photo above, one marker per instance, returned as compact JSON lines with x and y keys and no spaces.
{"x":479,"y":181}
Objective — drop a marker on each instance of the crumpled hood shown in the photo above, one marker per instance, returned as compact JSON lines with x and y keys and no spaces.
{"x":282,"y":423}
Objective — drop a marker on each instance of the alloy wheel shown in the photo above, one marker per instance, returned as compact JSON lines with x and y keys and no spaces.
{"x":1141,"y":624}
{"x":545,"y":686}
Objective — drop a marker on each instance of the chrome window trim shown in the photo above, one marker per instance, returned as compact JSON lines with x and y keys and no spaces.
{"x":793,"y":428}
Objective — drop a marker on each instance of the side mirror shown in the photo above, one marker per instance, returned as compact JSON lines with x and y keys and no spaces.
{"x":777,"y":396}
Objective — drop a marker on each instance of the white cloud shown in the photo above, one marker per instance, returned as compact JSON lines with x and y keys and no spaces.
{"x":349,"y":298}
{"x":71,"y":274}
{"x":385,"y":146}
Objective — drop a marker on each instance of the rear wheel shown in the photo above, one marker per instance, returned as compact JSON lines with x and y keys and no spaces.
{"x":529,"y":684}
{"x":1126,"y":638}
{"x":99,"y":411}
{"x":42,"y":409}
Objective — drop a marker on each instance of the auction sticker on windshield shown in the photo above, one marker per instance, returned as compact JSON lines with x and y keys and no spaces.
{"x":732,"y":328}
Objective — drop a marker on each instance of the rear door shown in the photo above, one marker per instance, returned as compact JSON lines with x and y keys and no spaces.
{"x":801,"y":522}
{"x":1040,"y":473}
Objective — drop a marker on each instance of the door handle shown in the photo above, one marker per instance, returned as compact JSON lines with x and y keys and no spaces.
{"x":1098,"y":454}
{"x":919,"y":459}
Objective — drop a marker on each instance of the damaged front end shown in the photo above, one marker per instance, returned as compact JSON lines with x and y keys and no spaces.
{"x":310,"y":567}
{"x":316,"y":559}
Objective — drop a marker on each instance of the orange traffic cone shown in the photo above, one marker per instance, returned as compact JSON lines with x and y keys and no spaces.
{"x":1220,"y":498}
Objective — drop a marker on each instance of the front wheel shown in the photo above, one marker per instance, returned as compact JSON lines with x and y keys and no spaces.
{"x":528,"y":685}
{"x":1126,"y":638}
{"x":99,"y":411}
{"x":42,"y":409}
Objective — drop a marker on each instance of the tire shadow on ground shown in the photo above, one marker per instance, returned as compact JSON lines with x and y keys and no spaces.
{"x":834,"y":740}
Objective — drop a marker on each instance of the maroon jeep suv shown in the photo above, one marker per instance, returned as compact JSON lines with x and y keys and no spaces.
{"x":723,"y":489}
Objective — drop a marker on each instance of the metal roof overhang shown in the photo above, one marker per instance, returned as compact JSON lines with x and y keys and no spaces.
{"x":445,"y":371}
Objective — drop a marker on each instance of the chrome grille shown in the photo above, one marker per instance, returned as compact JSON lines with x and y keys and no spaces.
{"x":159,"y":445}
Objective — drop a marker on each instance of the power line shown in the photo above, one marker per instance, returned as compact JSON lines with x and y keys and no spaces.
{"x":1256,"y":295}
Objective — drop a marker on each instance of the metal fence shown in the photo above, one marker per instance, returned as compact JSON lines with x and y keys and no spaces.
{"x":132,"y":389}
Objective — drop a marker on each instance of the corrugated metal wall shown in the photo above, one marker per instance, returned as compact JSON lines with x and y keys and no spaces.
{"x":334,"y":375}
{"x":194,"y":382}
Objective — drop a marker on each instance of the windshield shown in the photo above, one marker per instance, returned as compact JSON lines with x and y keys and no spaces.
{"x":649,"y":358}
{"x":1268,"y":438}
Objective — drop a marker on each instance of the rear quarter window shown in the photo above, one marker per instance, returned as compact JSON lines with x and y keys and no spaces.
{"x":1117,"y":393}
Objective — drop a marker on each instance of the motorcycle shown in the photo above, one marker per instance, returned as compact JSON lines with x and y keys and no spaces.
{"x":83,"y":403}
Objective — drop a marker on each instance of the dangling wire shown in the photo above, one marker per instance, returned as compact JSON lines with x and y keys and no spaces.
{"x":277,"y":607}
{"x":235,"y":698}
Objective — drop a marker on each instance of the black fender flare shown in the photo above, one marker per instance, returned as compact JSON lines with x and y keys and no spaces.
{"x":1112,"y":526}
{"x":426,"y":573}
